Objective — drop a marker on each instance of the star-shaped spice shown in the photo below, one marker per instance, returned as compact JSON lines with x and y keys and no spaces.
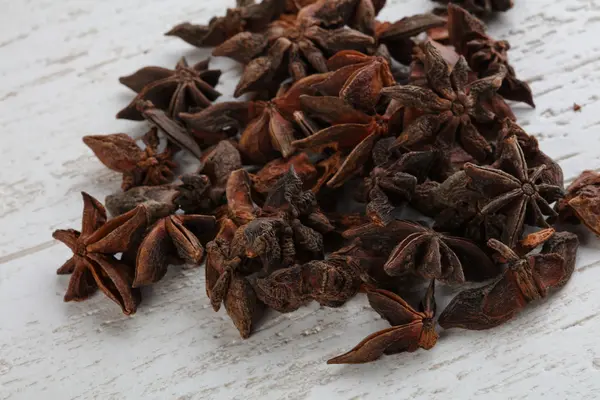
{"x":411,"y":329}
{"x":93,"y":264}
{"x":528,"y":277}
{"x":485,"y":8}
{"x":247,"y":16}
{"x":397,"y":35}
{"x":485,"y":55}
{"x":120,"y":153}
{"x":174,"y":91}
{"x":172,"y":239}
{"x":582,"y":201}
{"x":297,"y":42}
{"x":429,"y":254}
{"x":518,"y":193}
{"x":450,"y":106}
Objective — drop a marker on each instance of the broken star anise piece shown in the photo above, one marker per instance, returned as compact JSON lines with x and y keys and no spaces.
{"x":174,"y":91}
{"x":450,"y":106}
{"x":411,"y":329}
{"x":291,"y":47}
{"x":171,"y":239}
{"x":528,"y":277}
{"x":582,"y":201}
{"x":120,"y":153}
{"x":485,"y":55}
{"x":93,"y":264}
{"x":518,"y":193}
{"x":247,"y":16}
{"x":484,"y":8}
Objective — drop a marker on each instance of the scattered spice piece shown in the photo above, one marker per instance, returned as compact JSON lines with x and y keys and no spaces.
{"x":576,"y":107}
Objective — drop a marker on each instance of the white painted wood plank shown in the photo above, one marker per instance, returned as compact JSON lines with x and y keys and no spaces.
{"x":58,"y":81}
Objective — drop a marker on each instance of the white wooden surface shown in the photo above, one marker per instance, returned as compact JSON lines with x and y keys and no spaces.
{"x":59,"y":63}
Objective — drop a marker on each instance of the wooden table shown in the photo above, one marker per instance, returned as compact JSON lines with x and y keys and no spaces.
{"x":59,"y":66}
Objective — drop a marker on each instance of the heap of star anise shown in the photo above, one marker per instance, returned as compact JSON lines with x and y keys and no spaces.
{"x":344,"y":173}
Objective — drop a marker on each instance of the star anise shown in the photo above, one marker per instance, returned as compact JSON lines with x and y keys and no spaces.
{"x":173,"y":239}
{"x":450,"y":106}
{"x":297,"y":44}
{"x":159,"y":201}
{"x":582,"y":201}
{"x":429,"y":254}
{"x":528,"y":277}
{"x":484,"y":8}
{"x":484,"y":54}
{"x":391,"y":183}
{"x":330,"y":282}
{"x":240,"y":301}
{"x":247,"y":16}
{"x":120,"y":153}
{"x":518,"y":192}
{"x":397,"y":36}
{"x":93,"y":264}
{"x":264,"y":180}
{"x":174,"y":91}
{"x":411,"y":329}
{"x":268,"y":130}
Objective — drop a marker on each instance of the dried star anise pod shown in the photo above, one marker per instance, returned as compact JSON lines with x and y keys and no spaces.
{"x":582,"y":201}
{"x":240,"y":301}
{"x":429,"y":254}
{"x":484,"y":8}
{"x":517,"y":192}
{"x":268,"y":130}
{"x":93,"y":264}
{"x":264,"y":180}
{"x":120,"y":153}
{"x":158,"y":200}
{"x":173,"y":239}
{"x":174,"y":91}
{"x":174,"y":131}
{"x":450,"y":106}
{"x":247,"y":16}
{"x":392,"y":183}
{"x":397,"y":35}
{"x":411,"y":329}
{"x":484,"y":54}
{"x":528,"y":277}
{"x":289,"y":48}
{"x":330,"y":282}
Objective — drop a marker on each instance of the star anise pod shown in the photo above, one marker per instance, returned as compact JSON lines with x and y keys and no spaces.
{"x":94,"y":264}
{"x":159,"y":201}
{"x":268,"y":130}
{"x":120,"y":153}
{"x":582,"y":201}
{"x":173,"y":239}
{"x":450,"y":106}
{"x":484,"y":54}
{"x":392,"y":183}
{"x":247,"y":16}
{"x":175,"y":132}
{"x":484,"y":8}
{"x":397,"y":36}
{"x":528,"y":277}
{"x":330,"y":282}
{"x":240,"y":301}
{"x":174,"y":91}
{"x":429,"y":254}
{"x":411,"y":329}
{"x":518,"y":192}
{"x":298,"y":45}
{"x":264,"y":180}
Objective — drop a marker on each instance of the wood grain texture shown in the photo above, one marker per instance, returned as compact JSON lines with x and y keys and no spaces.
{"x":59,"y":66}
